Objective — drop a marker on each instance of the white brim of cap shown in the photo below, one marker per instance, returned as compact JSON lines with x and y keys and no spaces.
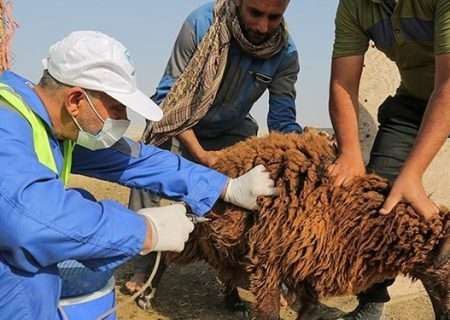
{"x":139,"y":103}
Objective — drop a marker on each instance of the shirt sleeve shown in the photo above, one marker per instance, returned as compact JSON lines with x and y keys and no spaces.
{"x":43,"y":223}
{"x":442,"y":27}
{"x":146,"y":167}
{"x":282,"y":94}
{"x":350,"y":39}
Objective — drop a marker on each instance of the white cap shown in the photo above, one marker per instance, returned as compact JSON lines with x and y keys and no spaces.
{"x":95,"y":61}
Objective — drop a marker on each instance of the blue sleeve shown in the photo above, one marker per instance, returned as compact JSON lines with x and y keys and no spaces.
{"x":182,"y":52}
{"x":146,"y":167}
{"x":191,"y":34}
{"x":43,"y":223}
{"x":282,"y":94}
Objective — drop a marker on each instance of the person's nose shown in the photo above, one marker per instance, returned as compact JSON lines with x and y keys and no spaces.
{"x":263,"y":25}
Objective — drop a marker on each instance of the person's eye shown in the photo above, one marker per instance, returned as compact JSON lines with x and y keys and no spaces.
{"x":256,"y":13}
{"x":274,"y":17}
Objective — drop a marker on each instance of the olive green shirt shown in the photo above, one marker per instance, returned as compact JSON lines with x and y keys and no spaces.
{"x":409,"y":32}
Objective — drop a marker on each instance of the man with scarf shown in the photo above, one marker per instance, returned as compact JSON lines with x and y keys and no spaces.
{"x":414,"y":123}
{"x":227,"y":54}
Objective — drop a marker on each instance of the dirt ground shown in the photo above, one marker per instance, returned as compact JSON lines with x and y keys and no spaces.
{"x":192,"y":292}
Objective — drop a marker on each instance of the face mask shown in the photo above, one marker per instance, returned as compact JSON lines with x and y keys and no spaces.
{"x":111,"y":132}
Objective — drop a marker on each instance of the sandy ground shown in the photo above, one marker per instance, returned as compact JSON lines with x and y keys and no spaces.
{"x":193,"y":293}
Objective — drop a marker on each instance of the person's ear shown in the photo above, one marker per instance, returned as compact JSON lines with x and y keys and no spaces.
{"x":72,"y":100}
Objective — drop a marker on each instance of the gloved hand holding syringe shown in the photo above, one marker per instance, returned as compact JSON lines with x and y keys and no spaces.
{"x":168,"y":229}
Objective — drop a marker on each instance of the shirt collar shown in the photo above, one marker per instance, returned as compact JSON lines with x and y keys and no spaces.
{"x":24,"y":88}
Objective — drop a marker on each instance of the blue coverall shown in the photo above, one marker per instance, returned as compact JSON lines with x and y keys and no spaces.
{"x":43,"y":223}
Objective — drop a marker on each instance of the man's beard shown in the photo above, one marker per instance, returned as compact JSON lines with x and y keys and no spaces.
{"x":255,"y":37}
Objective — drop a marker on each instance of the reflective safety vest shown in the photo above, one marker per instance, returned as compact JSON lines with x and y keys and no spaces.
{"x":40,"y":135}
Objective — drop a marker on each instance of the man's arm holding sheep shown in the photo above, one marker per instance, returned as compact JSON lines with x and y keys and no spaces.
{"x":350,"y":44}
{"x":433,"y":133}
{"x":193,"y":146}
{"x":435,"y":126}
{"x":345,"y":77}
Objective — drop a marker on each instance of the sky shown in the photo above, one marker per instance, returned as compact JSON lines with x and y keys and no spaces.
{"x":148,"y":28}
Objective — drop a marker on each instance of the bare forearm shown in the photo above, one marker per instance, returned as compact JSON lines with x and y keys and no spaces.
{"x":191,"y":143}
{"x":344,"y":117}
{"x":343,"y":107}
{"x":433,"y":133}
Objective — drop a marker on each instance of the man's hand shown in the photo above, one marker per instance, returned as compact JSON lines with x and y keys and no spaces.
{"x":346,"y":168}
{"x":193,"y":146}
{"x":433,"y":133}
{"x":409,"y":188}
{"x":170,"y":228}
{"x":343,"y":107}
{"x":243,"y":191}
{"x":209,"y":158}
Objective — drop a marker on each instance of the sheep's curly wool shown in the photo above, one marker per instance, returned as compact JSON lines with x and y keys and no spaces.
{"x":331,"y":239}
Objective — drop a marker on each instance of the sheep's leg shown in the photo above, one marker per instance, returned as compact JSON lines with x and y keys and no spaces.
{"x":268,"y":305}
{"x":311,"y":309}
{"x":307,"y":300}
{"x":437,"y":284}
{"x":233,"y":301}
{"x":231,"y":278}
{"x":266,"y":287}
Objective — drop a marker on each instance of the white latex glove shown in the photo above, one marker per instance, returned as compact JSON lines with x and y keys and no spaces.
{"x":170,"y":227}
{"x":243,"y":191}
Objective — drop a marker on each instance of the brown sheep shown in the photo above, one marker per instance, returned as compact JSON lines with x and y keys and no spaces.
{"x":315,"y":239}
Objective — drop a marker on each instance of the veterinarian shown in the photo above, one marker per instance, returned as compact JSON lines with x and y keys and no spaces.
{"x":414,"y":123}
{"x":227,"y":54}
{"x":73,"y":120}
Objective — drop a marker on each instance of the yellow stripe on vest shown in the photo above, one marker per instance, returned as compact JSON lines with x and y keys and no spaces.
{"x":40,"y":135}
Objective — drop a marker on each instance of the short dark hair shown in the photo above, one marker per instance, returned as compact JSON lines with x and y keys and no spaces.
{"x":47,"y":81}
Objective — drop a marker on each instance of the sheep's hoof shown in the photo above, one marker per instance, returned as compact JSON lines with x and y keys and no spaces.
{"x":245,"y":314}
{"x":239,"y":307}
{"x":319,"y":311}
{"x":233,"y":303}
{"x":266,"y":317}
